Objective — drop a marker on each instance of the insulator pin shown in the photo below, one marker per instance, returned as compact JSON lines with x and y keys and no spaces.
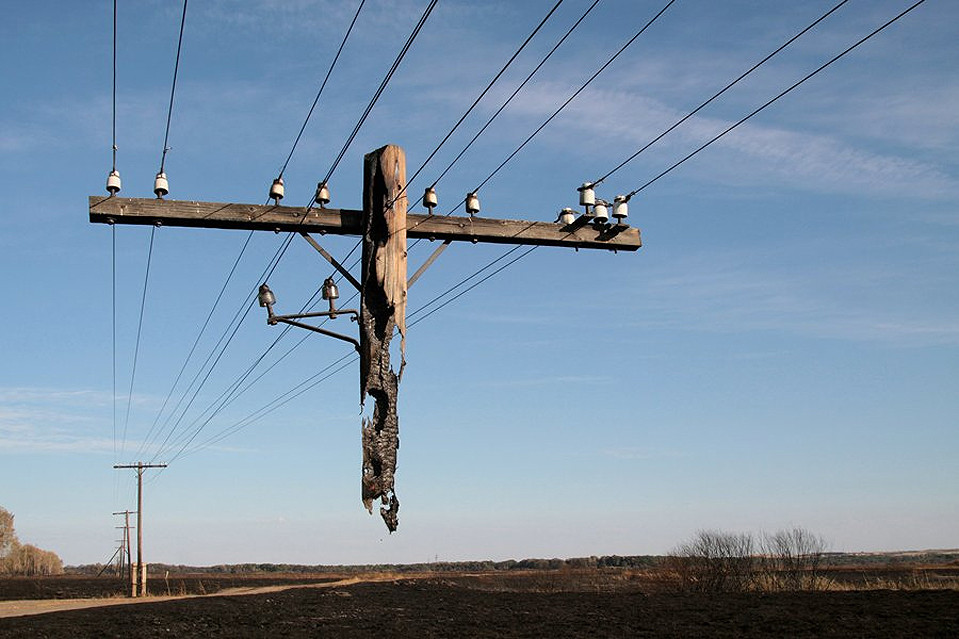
{"x":277,"y":190}
{"x":113,"y":182}
{"x":322,"y":196}
{"x":160,"y":185}
{"x":472,"y":203}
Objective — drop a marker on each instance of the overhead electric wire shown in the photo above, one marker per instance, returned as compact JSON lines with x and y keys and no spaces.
{"x":312,"y":381}
{"x":136,"y":349}
{"x":524,"y":254}
{"x":231,"y":392}
{"x":721,"y":92}
{"x":276,"y":403}
{"x":322,"y":86}
{"x":176,"y":68}
{"x":570,"y":99}
{"x":218,"y":350}
{"x":196,"y":342}
{"x":259,"y":414}
{"x":771,"y":101}
{"x":381,"y":88}
{"x":113,"y":229}
{"x":514,"y":94}
{"x":486,"y":90}
{"x":409,"y":41}
{"x":573,"y":97}
{"x":114,"y":85}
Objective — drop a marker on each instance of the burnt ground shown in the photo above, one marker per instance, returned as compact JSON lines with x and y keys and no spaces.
{"x":466,"y":607}
{"x":84,"y":586}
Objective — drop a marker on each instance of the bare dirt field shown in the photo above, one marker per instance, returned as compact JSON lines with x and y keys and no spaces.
{"x":515,"y":605}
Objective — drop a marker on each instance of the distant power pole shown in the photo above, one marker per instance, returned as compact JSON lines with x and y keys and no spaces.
{"x":140,"y":587}
{"x":384,"y":226}
{"x":125,"y":550}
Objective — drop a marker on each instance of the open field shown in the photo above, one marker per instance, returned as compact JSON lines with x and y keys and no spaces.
{"x":589,"y":603}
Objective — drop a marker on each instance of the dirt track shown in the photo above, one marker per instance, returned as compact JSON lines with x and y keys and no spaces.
{"x":27,"y":607}
{"x":465,"y":608}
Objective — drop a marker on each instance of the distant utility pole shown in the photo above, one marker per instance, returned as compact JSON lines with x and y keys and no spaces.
{"x":125,"y":550}
{"x":140,"y":585}
{"x":384,"y":226}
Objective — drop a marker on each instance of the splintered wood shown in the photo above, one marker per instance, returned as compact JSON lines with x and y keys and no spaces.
{"x":382,"y":310}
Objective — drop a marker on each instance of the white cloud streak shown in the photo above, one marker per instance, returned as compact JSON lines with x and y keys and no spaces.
{"x":726,"y":293}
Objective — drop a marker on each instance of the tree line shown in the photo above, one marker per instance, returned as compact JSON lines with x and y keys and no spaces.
{"x":23,"y":559}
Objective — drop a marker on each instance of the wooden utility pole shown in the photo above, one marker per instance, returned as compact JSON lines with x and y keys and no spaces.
{"x":140,"y":587}
{"x":385,"y":226}
{"x":125,"y":549}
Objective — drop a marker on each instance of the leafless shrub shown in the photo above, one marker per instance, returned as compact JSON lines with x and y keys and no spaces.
{"x":713,"y":561}
{"x":792,"y":560}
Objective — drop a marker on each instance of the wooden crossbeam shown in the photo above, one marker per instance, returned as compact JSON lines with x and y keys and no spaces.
{"x":119,"y":210}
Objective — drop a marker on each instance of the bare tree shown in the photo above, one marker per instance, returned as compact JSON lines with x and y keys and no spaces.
{"x":792,"y":558}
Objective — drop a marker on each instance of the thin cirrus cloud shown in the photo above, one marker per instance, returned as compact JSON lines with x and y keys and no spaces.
{"x":814,"y":161}
{"x":43,"y":420}
{"x":718,"y":295}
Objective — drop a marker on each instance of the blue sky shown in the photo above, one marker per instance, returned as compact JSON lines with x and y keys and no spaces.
{"x":784,"y":349}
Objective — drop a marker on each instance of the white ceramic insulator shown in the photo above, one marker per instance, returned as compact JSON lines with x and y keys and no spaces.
{"x":113,"y":182}
{"x":600,"y":212}
{"x":620,"y":208}
{"x":587,"y":196}
{"x":472,"y":203}
{"x":277,"y":190}
{"x":322,"y":195}
{"x":160,"y":185}
{"x":429,"y":198}
{"x":567,"y":216}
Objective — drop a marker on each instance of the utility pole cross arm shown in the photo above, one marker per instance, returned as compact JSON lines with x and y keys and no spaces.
{"x":218,"y":215}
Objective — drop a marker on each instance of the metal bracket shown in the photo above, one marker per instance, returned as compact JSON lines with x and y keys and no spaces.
{"x":329,"y":258}
{"x":428,"y":262}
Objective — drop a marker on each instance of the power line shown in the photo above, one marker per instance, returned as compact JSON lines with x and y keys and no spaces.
{"x":322,"y":86}
{"x":114,"y":85}
{"x":783,"y":93}
{"x":572,"y":97}
{"x":313,"y":381}
{"x":114,"y":287}
{"x":283,"y":399}
{"x":514,"y":94}
{"x":620,"y":51}
{"x":507,"y":253}
{"x":718,"y":94}
{"x":224,"y":340}
{"x":231,"y":393}
{"x":228,"y":395}
{"x":382,"y":87}
{"x":176,"y":68}
{"x":196,"y":342}
{"x":136,"y":350}
{"x":483,"y":94}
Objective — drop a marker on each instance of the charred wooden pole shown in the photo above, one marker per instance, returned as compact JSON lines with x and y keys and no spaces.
{"x":385,"y":227}
{"x":382,"y":311}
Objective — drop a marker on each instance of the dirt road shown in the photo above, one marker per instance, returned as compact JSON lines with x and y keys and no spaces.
{"x":26,"y":607}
